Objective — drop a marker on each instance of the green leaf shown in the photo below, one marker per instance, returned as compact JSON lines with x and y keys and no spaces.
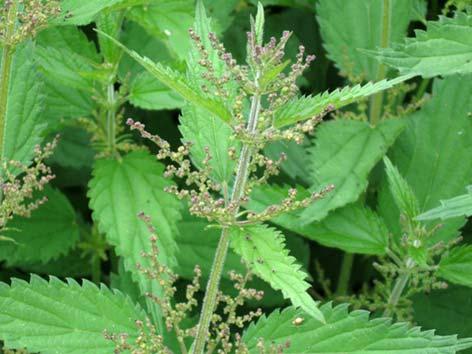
{"x":201,"y":129}
{"x":73,"y":149}
{"x":221,"y":13}
{"x":296,"y":165}
{"x":110,"y":23}
{"x":456,"y":266}
{"x":168,"y":20}
{"x":205,"y":131}
{"x":67,"y":318}
{"x":451,"y":208}
{"x":306,"y":107}
{"x":353,"y":228}
{"x":263,"y":249}
{"x":347,"y":332}
{"x":119,"y":190}
{"x":24,"y":123}
{"x":259,"y":24}
{"x":349,"y":26}
{"x":344,"y":153}
{"x":81,"y":12}
{"x":136,"y":38}
{"x":452,"y":309}
{"x":148,"y":93}
{"x":402,"y":194}
{"x":66,"y":67}
{"x":178,"y":83}
{"x":69,"y":38}
{"x":63,"y":99}
{"x":433,"y":154}
{"x":443,"y":49}
{"x":50,"y":232}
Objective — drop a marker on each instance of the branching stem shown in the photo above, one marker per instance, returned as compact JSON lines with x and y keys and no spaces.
{"x":209,"y":302}
{"x":5,"y":71}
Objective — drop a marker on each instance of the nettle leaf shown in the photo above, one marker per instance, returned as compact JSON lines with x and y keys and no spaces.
{"x":402,"y":193}
{"x":145,"y":91}
{"x":306,"y":107}
{"x":451,"y":208}
{"x":443,"y":49}
{"x":343,"y":154}
{"x":452,"y":309}
{"x":73,"y":149}
{"x":24,"y":122}
{"x":433,"y":154}
{"x":81,"y":12}
{"x":66,"y":67}
{"x":63,"y":98}
{"x":168,"y":20}
{"x":263,"y":249}
{"x":61,"y":318}
{"x":221,"y":13}
{"x":456,"y":266}
{"x":347,"y":332}
{"x":205,"y":131}
{"x":148,"y":93}
{"x":50,"y":232}
{"x":69,"y":38}
{"x":118,"y":191}
{"x":198,"y":127}
{"x":296,"y":165}
{"x":353,"y":228}
{"x":349,"y":26}
{"x":136,"y":38}
{"x":177,"y":82}
{"x":110,"y":22}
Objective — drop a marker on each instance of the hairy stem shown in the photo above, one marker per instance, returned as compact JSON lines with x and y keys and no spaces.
{"x":209,"y":302}
{"x":377,"y":99}
{"x":7,"y":59}
{"x":345,"y":275}
{"x":111,"y":118}
{"x":397,"y":291}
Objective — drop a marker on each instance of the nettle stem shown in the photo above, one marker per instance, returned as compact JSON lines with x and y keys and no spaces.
{"x":5,"y":71}
{"x":111,"y":118}
{"x":345,"y":274}
{"x":209,"y":302}
{"x":377,"y":99}
{"x":397,"y":291}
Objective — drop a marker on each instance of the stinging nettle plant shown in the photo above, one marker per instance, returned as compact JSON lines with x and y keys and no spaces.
{"x":207,"y":247}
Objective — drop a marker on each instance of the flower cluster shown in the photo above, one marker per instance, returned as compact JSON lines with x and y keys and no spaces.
{"x":223,"y":323}
{"x":20,"y":181}
{"x":33,"y":17}
{"x":207,"y":198}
